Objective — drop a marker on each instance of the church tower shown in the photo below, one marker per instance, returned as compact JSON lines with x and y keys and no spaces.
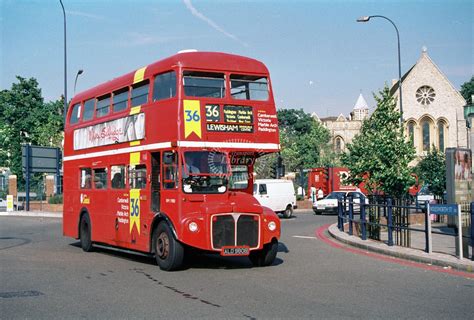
{"x":361,"y":109}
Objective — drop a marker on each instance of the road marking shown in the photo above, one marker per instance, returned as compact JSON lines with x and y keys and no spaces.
{"x":304,"y":237}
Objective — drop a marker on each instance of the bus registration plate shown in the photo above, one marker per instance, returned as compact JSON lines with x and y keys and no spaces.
{"x":235,"y":251}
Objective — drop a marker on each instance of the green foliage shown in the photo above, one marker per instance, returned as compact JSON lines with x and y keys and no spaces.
{"x":467,"y":90}
{"x":304,"y":141}
{"x":56,"y":199}
{"x":380,"y":154}
{"x":26,"y":118}
{"x":432,"y":171}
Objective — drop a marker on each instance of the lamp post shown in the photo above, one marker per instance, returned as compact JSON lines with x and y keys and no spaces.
{"x":80,"y":71}
{"x":366,"y":19}
{"x":65,"y":64}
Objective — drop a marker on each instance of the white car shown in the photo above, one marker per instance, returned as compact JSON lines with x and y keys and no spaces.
{"x":424,"y":195}
{"x":329,"y":204}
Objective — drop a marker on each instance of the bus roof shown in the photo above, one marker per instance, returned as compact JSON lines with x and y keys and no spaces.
{"x":212,"y":61}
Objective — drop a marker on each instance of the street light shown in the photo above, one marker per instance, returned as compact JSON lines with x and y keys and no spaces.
{"x":65,"y":64}
{"x":80,"y":71}
{"x":366,"y":19}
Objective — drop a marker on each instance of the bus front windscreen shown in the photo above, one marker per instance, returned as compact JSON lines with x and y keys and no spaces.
{"x":205,"y":172}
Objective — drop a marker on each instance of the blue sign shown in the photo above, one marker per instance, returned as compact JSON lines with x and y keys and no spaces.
{"x":447,"y":209}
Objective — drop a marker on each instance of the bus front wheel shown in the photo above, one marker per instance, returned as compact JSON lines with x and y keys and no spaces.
{"x":266,"y":256}
{"x":169,"y":252}
{"x":85,"y":235}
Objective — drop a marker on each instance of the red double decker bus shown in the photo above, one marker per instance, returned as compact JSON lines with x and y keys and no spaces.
{"x":161,"y":160}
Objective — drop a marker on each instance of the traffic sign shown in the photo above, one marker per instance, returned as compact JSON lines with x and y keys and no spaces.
{"x":444,"y":209}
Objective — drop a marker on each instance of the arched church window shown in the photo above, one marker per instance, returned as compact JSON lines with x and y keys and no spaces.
{"x":441,"y":134}
{"x":339,"y":144}
{"x":425,"y":131}
{"x":411,"y":132}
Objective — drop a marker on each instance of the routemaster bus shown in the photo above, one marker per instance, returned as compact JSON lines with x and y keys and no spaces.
{"x":161,"y":160}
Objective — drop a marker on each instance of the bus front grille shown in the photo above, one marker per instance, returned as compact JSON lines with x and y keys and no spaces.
{"x":223,"y":231}
{"x":235,"y":230}
{"x":247,"y":231}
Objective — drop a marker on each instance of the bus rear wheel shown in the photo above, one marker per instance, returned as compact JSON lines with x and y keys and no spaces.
{"x":169,"y":252}
{"x":85,"y":233}
{"x":266,"y":256}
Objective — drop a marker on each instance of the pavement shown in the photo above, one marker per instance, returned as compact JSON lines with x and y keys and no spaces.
{"x":39,"y":214}
{"x":442,"y":259}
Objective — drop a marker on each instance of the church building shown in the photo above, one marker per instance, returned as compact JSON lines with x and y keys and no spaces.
{"x":343,"y":129}
{"x":433,"y":110}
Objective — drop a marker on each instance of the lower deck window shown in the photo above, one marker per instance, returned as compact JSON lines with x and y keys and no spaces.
{"x":100,"y":178}
{"x":137,"y":176}
{"x":117,"y":173}
{"x":85,"y":178}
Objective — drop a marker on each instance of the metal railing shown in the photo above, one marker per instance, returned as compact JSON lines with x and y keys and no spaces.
{"x":393,"y":216}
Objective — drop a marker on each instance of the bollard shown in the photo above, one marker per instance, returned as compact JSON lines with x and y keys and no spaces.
{"x":363,"y":223}
{"x":340,"y":223}
{"x":427,"y":228}
{"x":472,"y":231}
{"x":351,"y":214}
{"x":389,"y":222}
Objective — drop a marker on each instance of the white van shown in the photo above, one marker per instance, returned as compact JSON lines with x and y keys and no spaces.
{"x":278,"y":195}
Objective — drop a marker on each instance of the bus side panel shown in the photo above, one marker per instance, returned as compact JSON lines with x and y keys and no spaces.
{"x":70,"y":216}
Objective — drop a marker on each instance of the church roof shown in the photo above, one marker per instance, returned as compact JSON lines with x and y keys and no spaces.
{"x":425,"y":56}
{"x":395,"y":85}
{"x":361,"y":103}
{"x":331,"y":118}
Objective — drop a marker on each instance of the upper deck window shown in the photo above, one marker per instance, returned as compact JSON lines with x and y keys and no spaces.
{"x":249,"y":87}
{"x":88,"y":109}
{"x":204,"y":84}
{"x":164,"y":86}
{"x":103,"y":106}
{"x":140,"y":93}
{"x":120,"y":99}
{"x":75,"y":114}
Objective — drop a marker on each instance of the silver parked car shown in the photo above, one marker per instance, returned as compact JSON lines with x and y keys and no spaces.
{"x":330,"y":202}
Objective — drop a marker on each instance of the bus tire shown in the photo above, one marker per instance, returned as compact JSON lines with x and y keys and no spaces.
{"x":288,"y":212}
{"x":266,"y":256}
{"x":169,"y":252}
{"x":85,"y":233}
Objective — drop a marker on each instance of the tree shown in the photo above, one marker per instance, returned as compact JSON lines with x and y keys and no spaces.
{"x":304,"y":141}
{"x":379,"y":155}
{"x":26,"y":118}
{"x":467,"y":90}
{"x":432,"y":170}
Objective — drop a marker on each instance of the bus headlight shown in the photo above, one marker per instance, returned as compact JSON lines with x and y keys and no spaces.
{"x":193,"y":227}
{"x":272,"y":226}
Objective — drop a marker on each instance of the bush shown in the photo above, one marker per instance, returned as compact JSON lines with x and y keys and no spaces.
{"x":56,"y":199}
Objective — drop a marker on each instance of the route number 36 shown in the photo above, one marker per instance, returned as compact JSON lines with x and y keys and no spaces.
{"x":192,"y":116}
{"x":212,"y":111}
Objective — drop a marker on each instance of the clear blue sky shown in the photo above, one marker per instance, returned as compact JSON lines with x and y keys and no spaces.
{"x":318,"y":56}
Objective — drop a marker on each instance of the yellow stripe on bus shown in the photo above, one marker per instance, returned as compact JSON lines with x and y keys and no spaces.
{"x":134,"y":158}
{"x":135,"y":110}
{"x":134,"y":209}
{"x":134,"y":143}
{"x":139,"y":75}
